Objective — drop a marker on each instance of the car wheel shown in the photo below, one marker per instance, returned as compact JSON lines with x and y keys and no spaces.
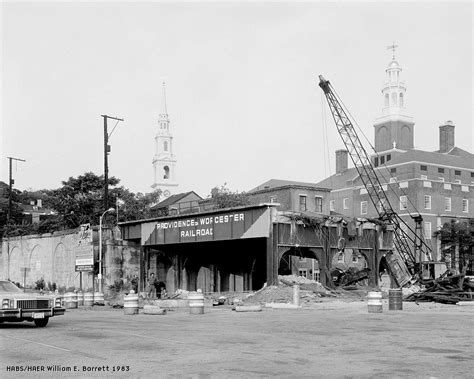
{"x":41,"y":322}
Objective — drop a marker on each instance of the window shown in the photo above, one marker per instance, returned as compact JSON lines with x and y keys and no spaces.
{"x":427,"y":184}
{"x":393,"y":180}
{"x":447,"y":186}
{"x":457,"y":172}
{"x":393,"y":170}
{"x":382,"y":159}
{"x":363,"y":207}
{"x":423,"y":177}
{"x":465,"y":205}
{"x":441,"y":179}
{"x":166,"y":170}
{"x":447,"y":204}
{"x":165,"y":146}
{"x":355,"y":258}
{"x":302,"y":203}
{"x":331,"y":205}
{"x":316,"y":276}
{"x":403,"y":184}
{"x":389,"y":157}
{"x":273,"y":199}
{"x":340,"y":258}
{"x":440,"y":170}
{"x":403,"y":202}
{"x":427,"y":230}
{"x":423,"y":168}
{"x":427,"y":202}
{"x":376,"y":161}
{"x":457,"y":181}
{"x":472,"y":174}
{"x":465,"y":188}
{"x":345,"y":203}
{"x":318,"y":204}
{"x":303,"y":272}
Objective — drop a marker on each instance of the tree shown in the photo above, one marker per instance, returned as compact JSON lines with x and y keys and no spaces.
{"x":222,"y":197}
{"x":457,"y":244}
{"x":78,"y":201}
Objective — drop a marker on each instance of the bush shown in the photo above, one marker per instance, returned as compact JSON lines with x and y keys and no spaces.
{"x":39,"y":284}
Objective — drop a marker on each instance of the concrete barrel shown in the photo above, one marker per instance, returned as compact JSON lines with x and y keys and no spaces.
{"x":98,"y":298}
{"x":80,"y":298}
{"x":196,"y":303}
{"x":70,"y":300}
{"x":130,"y":304}
{"x":88,"y":299}
{"x":395,"y":299}
{"x":374,"y":302}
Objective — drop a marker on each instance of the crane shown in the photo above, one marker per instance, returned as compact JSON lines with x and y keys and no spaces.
{"x":404,"y":262}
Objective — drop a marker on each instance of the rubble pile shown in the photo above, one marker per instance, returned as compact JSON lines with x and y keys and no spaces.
{"x":446,"y":290}
{"x":271,"y":294}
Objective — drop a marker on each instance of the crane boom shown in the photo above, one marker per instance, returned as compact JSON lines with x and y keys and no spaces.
{"x":404,"y":235}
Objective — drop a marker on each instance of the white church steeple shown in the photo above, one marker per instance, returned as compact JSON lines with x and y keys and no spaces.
{"x":394,"y":127}
{"x":164,"y":161}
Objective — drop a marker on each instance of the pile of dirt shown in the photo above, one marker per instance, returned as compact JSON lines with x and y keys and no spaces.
{"x":271,"y":294}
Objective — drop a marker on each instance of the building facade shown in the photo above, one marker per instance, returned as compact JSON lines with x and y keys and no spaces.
{"x":164,"y":160}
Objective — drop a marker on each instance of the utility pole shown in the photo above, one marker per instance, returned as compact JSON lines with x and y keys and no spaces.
{"x":11,"y":182}
{"x":106,"y":153}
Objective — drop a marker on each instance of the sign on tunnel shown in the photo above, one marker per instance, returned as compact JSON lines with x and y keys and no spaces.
{"x":242,"y":223}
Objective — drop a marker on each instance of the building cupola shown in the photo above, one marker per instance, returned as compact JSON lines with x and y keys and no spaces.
{"x":394,"y":127}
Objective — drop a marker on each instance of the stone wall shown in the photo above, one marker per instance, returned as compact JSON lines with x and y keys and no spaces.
{"x":26,"y":259}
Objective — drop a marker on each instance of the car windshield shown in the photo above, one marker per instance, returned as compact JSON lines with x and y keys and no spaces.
{"x":6,"y":286}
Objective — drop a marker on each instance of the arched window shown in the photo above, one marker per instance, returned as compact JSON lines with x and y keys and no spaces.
{"x":394,"y":99}
{"x":165,"y":146}
{"x":387,"y":100}
{"x":401,"y":99}
{"x":166,"y":170}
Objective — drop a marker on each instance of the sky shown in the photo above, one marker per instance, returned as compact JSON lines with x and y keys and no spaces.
{"x":241,"y":82}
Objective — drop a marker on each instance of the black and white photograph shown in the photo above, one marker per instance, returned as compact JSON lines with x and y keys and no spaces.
{"x":236,"y":189}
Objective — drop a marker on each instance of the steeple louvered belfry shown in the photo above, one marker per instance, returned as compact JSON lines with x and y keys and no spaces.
{"x":164,"y":161}
{"x":394,"y":129}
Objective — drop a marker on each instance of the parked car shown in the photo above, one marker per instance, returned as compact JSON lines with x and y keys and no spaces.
{"x":18,"y":306}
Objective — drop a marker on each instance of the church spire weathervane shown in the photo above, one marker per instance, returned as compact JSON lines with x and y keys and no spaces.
{"x":392,"y":47}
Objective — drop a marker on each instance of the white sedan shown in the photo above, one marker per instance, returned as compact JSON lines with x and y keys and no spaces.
{"x":18,"y":306}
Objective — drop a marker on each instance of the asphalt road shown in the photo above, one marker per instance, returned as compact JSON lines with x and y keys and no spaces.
{"x":325,"y":340}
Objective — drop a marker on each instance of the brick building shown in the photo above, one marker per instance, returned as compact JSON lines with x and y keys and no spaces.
{"x":436,"y":184}
{"x":292,"y":196}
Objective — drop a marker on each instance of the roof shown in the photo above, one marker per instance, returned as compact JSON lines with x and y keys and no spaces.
{"x":278,"y":183}
{"x":173,"y":199}
{"x":456,"y":157}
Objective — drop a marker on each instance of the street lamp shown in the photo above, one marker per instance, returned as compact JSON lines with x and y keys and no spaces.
{"x":100,"y":247}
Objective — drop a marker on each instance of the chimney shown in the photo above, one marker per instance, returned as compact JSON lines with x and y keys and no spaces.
{"x":341,"y":161}
{"x":446,"y":137}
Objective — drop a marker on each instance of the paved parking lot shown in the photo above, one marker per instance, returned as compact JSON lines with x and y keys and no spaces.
{"x":333,"y":339}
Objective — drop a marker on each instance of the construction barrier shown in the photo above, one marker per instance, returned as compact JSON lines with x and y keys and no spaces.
{"x":98,"y":298}
{"x":70,"y":300}
{"x":374,"y":302}
{"x":130,"y":304}
{"x":80,"y":298}
{"x":395,"y":299}
{"x":196,"y":303}
{"x":88,"y":299}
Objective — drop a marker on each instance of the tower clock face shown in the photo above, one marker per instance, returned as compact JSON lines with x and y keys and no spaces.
{"x":166,"y":193}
